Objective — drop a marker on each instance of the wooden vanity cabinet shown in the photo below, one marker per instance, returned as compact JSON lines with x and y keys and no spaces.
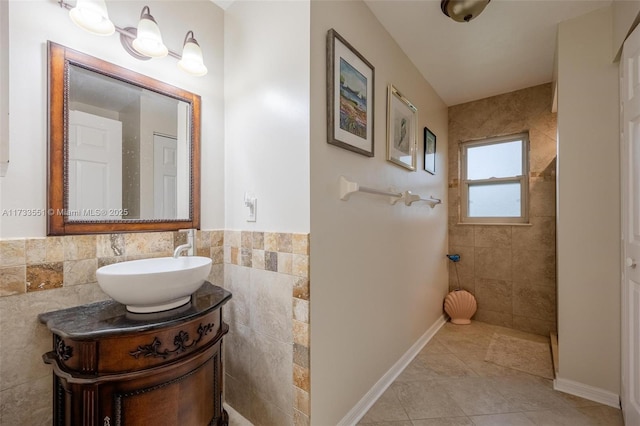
{"x":112,"y":367}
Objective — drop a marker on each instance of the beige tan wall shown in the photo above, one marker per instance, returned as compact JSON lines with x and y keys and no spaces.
{"x":45,"y":274}
{"x":588,"y":203}
{"x":378,"y":272}
{"x":510,"y":269}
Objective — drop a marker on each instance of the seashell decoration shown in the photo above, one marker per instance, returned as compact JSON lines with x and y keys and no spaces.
{"x":460,"y":305}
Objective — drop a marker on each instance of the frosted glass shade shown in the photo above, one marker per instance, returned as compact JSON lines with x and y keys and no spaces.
{"x":92,"y":16}
{"x":149,"y":40}
{"x":191,"y":61}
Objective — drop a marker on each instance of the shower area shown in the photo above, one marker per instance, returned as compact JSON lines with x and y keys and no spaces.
{"x":510,"y":269}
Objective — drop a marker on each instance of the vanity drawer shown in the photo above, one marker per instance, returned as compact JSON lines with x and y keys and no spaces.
{"x":157,"y":347}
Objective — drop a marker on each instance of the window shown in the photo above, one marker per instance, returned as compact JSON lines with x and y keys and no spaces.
{"x":494,"y":184}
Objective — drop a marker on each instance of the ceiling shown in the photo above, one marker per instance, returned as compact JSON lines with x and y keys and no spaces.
{"x":510,"y":46}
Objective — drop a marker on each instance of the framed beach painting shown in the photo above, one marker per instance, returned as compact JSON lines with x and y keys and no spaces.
{"x":429,"y":151}
{"x":350,"y":83}
{"x":402,"y":119}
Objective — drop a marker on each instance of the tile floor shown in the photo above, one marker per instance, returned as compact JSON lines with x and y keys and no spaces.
{"x":450,"y":384}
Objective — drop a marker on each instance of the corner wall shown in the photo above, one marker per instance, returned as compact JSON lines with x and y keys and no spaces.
{"x":378,"y":272}
{"x":588,"y":204}
{"x":267,"y":261}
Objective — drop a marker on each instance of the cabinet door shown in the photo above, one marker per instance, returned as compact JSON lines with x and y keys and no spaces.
{"x":188,"y":395}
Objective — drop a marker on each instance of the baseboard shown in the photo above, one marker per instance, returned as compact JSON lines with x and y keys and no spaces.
{"x":591,"y":393}
{"x":554,"y":352}
{"x":235,"y":417}
{"x":367,"y":401}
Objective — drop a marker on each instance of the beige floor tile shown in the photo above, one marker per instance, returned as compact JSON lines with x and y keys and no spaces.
{"x":521,"y":334}
{"x":576,"y":401}
{"x":475,"y":361}
{"x":459,"y":342}
{"x":509,"y":419}
{"x":387,"y":408}
{"x":444,"y":366}
{"x":476,"y":395}
{"x":560,"y":417}
{"x":529,"y":393}
{"x":424,"y":400}
{"x":450,"y":384}
{"x":414,"y":372}
{"x":446,"y":421}
{"x":603,"y":415}
{"x":435,"y":347}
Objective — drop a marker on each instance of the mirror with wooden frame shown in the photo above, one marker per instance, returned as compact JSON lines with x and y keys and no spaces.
{"x":124,"y":149}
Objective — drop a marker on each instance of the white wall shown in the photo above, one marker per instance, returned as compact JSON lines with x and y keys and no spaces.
{"x":588,"y":228}
{"x":267,"y":114}
{"x":378,"y":272}
{"x":24,"y":186}
{"x":626,"y":14}
{"x":4,"y":87}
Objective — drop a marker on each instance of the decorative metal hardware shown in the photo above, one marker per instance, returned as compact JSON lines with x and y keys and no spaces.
{"x":63,"y":351}
{"x":107,"y":421}
{"x":180,"y":342}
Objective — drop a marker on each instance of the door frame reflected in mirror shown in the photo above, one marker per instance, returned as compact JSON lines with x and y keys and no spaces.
{"x":60,"y":60}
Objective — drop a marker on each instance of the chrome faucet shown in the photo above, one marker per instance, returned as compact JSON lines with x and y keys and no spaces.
{"x":189,"y":246}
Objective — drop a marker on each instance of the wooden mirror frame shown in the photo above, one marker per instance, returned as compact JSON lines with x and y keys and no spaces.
{"x":60,"y":58}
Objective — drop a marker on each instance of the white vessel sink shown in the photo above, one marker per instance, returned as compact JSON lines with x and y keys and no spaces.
{"x":154,"y":285}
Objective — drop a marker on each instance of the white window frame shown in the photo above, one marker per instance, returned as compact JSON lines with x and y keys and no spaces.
{"x":522,"y":179}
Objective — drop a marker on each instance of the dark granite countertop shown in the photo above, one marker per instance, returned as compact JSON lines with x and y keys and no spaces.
{"x":100,"y":319}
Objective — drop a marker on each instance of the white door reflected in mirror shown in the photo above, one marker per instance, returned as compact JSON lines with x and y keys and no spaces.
{"x":95,"y":167}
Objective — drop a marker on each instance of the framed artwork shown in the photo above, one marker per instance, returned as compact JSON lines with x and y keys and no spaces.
{"x":429,"y":151}
{"x":350,"y":97}
{"x":402,"y":119}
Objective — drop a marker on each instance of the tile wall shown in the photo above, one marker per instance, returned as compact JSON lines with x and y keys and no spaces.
{"x":267,"y":350}
{"x":510,"y":269}
{"x":266,"y":353}
{"x":45,"y":274}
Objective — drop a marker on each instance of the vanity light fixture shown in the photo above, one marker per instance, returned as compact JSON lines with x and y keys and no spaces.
{"x":144,"y":42}
{"x":92,"y":16}
{"x":148,"y":39}
{"x":191,"y":61}
{"x":463,"y":10}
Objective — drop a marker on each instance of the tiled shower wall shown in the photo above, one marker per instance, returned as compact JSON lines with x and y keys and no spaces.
{"x":266,"y":352}
{"x":510,"y":269}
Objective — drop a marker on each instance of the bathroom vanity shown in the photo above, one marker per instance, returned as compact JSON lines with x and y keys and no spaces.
{"x":112,"y":367}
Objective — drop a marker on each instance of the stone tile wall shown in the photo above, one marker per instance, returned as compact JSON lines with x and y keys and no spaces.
{"x":510,"y":269}
{"x":45,"y":274}
{"x":267,"y":376}
{"x":36,"y":264}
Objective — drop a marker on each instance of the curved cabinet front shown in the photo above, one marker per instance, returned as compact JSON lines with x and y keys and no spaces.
{"x":161,"y":369}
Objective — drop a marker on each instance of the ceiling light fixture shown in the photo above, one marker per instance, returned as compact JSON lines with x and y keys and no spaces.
{"x":144,"y":42}
{"x":463,"y":10}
